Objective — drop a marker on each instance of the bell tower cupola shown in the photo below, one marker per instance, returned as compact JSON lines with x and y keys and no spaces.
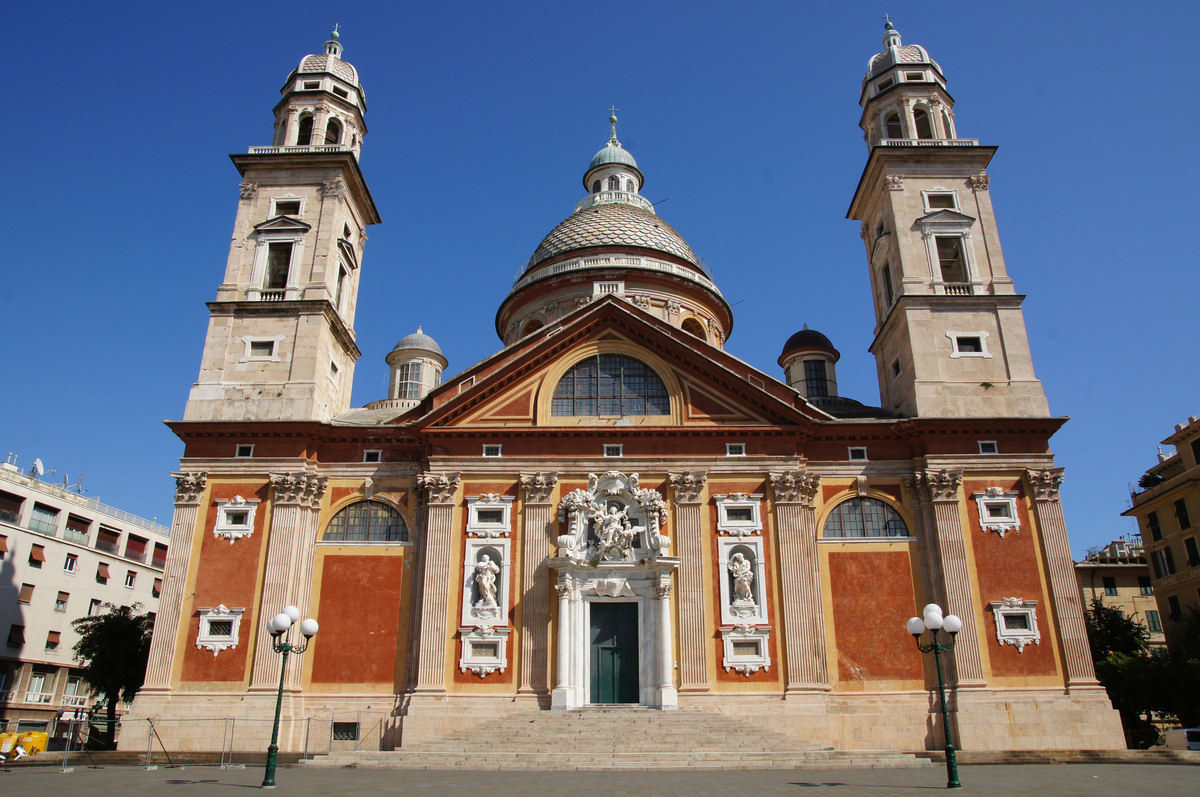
{"x":950,"y":336}
{"x":904,"y":95}
{"x":281,"y":343}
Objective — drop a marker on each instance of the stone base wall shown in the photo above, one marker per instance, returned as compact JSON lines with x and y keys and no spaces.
{"x":984,"y":720}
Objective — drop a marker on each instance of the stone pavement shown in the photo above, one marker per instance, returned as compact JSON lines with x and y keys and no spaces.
{"x":1085,"y":780}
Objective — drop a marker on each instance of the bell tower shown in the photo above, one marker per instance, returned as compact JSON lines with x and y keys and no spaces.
{"x":950,"y":336}
{"x":280,"y":342}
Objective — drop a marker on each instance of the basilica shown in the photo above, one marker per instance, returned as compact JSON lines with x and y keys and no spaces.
{"x":613,"y":509}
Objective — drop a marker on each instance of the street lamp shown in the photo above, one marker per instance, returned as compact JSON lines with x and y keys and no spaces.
{"x":281,"y":642}
{"x":933,"y":621}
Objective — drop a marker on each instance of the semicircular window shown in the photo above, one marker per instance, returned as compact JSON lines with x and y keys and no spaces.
{"x":367,"y":521}
{"x":610,"y":385}
{"x":864,"y":517}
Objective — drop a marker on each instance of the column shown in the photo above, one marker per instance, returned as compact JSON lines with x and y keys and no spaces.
{"x":286,"y":578}
{"x":668,"y":697}
{"x":293,"y":127}
{"x":188,"y":489}
{"x":794,"y":494}
{"x":689,"y":542}
{"x":438,"y":491}
{"x":1064,"y":589}
{"x":561,"y":697}
{"x":537,"y":539}
{"x":940,"y":489}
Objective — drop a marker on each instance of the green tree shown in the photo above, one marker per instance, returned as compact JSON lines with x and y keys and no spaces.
{"x":1110,"y":631}
{"x":112,"y":651}
{"x":1124,"y":668}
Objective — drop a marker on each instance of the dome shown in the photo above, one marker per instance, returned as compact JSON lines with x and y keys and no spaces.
{"x":807,"y":339}
{"x":420,"y":341}
{"x":312,"y":64}
{"x":612,"y":153}
{"x":895,"y":54}
{"x":616,"y":225}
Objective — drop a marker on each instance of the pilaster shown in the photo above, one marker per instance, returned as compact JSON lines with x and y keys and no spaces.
{"x":287,"y":580}
{"x":438,"y":491}
{"x":1064,"y":589}
{"x":940,"y":490}
{"x":538,"y":538}
{"x":189,"y":487}
{"x":794,"y":493}
{"x":689,"y":540}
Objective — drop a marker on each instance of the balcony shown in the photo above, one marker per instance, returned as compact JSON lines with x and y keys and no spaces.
{"x":929,"y":142}
{"x":76,"y":701}
{"x":108,"y":546}
{"x":297,"y":150}
{"x":958,"y":289}
{"x":40,"y":698}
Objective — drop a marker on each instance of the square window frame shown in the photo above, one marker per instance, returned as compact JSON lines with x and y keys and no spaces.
{"x":988,"y":447}
{"x":955,"y":353}
{"x":735,"y":449}
{"x":1017,"y":637}
{"x":248,"y":356}
{"x":372,"y":455}
{"x":614,"y":450}
{"x":206,"y":639}
{"x":492,"y":450}
{"x":477,"y":526}
{"x":951,"y":192}
{"x":997,"y":496}
{"x":228,"y":526}
{"x":276,"y":200}
{"x":243,"y":451}
{"x":857,"y":454}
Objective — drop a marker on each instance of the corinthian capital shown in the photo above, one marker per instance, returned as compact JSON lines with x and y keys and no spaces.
{"x":438,"y":488}
{"x":935,"y":485}
{"x":688,"y":486}
{"x":189,"y":486}
{"x":1045,"y":483}
{"x":538,"y":487}
{"x":795,"y":487}
{"x":298,"y":488}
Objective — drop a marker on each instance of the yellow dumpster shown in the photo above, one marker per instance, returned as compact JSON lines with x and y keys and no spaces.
{"x":33,"y":742}
{"x":8,"y":741}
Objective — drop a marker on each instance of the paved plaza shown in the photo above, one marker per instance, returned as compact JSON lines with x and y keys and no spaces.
{"x":1085,"y":780}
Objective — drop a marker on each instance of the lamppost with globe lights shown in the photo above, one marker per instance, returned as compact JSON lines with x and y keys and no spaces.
{"x":281,"y":642}
{"x":933,"y":621}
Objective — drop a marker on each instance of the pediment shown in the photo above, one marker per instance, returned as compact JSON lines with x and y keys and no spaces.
{"x":710,"y":388}
{"x":945,"y":216}
{"x":282,"y":224}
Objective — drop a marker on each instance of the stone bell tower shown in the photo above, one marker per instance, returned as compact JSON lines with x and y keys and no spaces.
{"x":950,"y":336}
{"x":281,"y":343}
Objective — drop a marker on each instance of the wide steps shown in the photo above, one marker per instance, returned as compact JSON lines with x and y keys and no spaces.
{"x":611,"y":739}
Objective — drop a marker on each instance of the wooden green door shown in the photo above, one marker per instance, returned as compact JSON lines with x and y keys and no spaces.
{"x":614,"y":653}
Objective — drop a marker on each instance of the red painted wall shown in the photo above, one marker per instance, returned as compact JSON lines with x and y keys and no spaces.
{"x":360,"y":620}
{"x":873,"y":597}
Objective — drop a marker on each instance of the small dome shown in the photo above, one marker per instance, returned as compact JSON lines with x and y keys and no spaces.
{"x":895,"y":53}
{"x":420,"y":341}
{"x":612,"y":225}
{"x":612,"y":153}
{"x":807,"y":339}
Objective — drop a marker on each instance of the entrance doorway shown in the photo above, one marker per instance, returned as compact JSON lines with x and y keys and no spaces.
{"x":614,"y":653}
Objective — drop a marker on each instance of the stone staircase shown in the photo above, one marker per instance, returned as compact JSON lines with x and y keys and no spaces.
{"x":614,"y":739}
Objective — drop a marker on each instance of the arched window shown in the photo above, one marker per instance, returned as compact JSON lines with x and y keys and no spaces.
{"x":864,"y":517}
{"x":614,"y":184}
{"x":610,"y":385}
{"x":946,"y":125}
{"x":304,"y":137}
{"x":533,"y":326}
{"x":333,"y":132}
{"x":595,"y":186}
{"x":693,"y":327}
{"x":367,"y":521}
{"x":924,"y":128}
{"x":894,"y":128}
{"x":631,"y":186}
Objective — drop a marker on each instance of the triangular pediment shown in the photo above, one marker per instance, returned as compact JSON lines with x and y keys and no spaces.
{"x":282,"y":224}
{"x":944,"y":216}
{"x":513,"y":389}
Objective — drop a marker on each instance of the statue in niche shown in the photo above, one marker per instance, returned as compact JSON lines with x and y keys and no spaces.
{"x":616,"y":533}
{"x":743,"y":578}
{"x":485,"y":581}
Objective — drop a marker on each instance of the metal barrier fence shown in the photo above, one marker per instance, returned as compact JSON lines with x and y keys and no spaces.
{"x":214,"y":741}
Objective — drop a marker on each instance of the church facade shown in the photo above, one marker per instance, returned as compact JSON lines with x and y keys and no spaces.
{"x":613,"y":509}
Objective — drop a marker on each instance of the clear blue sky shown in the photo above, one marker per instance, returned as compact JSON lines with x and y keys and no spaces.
{"x":482,"y":118}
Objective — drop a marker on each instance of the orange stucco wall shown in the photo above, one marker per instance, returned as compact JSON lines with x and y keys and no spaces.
{"x":360,"y":616}
{"x":227,"y":575}
{"x":1008,"y":567}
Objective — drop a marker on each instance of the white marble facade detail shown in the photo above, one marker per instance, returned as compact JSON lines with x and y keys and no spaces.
{"x":739,"y":515}
{"x":1016,"y":622}
{"x":998,"y":511}
{"x":614,"y":519}
{"x":235,"y":518}
{"x":219,"y":628}
{"x":746,"y":648}
{"x":743,"y":574}
{"x":489,"y":515}
{"x":614,"y":549}
{"x":485,"y":605}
